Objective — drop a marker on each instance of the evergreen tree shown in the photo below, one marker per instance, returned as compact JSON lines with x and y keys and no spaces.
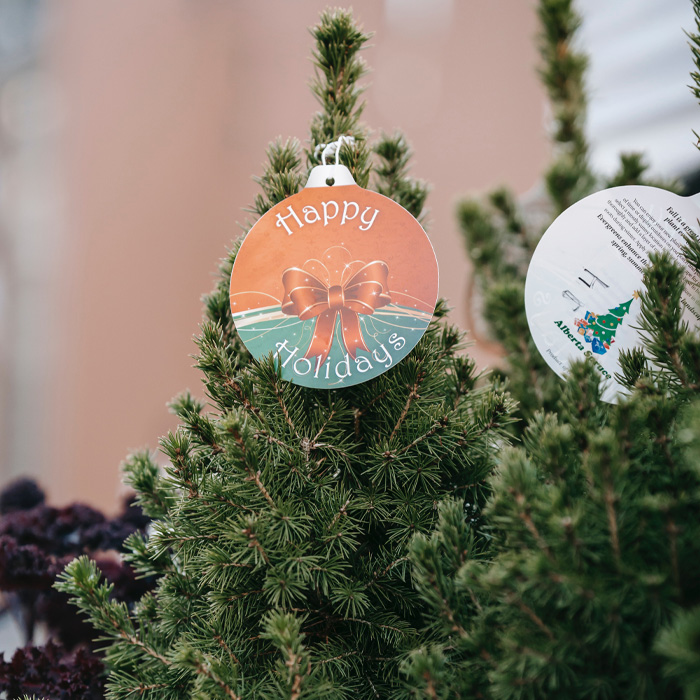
{"x":595,"y":540}
{"x":282,"y":523}
{"x":591,"y":585}
{"x":680,"y":642}
{"x":501,"y":234}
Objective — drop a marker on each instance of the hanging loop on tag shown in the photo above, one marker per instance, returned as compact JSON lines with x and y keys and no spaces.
{"x":333,"y":148}
{"x":327,"y":175}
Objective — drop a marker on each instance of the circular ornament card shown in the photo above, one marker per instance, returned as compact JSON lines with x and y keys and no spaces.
{"x":583,"y":283}
{"x":337,"y":282}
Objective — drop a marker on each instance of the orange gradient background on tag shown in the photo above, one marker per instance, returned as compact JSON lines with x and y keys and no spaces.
{"x":395,"y":237}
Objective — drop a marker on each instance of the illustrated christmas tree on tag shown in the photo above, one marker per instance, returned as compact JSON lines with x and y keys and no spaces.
{"x":600,"y":331}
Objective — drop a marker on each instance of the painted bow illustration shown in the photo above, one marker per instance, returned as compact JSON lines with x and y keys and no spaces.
{"x":307,"y":296}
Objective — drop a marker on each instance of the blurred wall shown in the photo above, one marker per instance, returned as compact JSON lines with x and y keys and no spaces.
{"x":167,"y":108}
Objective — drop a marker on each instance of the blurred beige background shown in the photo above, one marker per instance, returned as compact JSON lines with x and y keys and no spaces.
{"x":131,"y":131}
{"x":163,"y":110}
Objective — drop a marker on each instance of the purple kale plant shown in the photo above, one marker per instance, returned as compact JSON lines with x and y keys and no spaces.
{"x":36,"y":542}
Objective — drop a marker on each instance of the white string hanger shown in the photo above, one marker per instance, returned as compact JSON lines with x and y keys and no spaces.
{"x":326,"y":175}
{"x":333,"y":148}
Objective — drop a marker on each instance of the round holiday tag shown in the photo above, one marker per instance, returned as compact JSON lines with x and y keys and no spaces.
{"x":583,"y":283}
{"x":337,"y":282}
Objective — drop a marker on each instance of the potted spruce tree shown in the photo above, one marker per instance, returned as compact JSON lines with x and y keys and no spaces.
{"x":281,"y":526}
{"x":583,"y":580}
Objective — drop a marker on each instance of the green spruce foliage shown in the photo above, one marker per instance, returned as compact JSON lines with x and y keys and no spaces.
{"x":590,"y":587}
{"x":283,"y":519}
{"x":679,"y":644}
{"x":592,"y":578}
{"x":501,"y":234}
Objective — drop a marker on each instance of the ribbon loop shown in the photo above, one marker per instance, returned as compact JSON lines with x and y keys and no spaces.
{"x":336,"y":298}
{"x":306,"y":296}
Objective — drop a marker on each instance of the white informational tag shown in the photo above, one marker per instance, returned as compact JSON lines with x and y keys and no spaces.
{"x":582,"y":287}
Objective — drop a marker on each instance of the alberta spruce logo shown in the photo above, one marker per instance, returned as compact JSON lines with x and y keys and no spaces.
{"x":597,"y":330}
